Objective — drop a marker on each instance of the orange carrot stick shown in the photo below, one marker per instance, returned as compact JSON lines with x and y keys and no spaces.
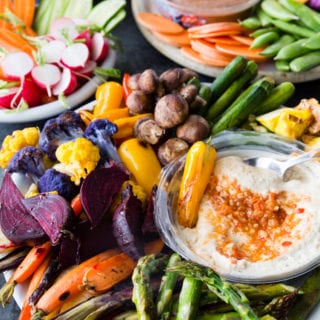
{"x":25,"y":270}
{"x":69,"y":284}
{"x":223,"y":39}
{"x":242,"y":39}
{"x":76,"y":204}
{"x":25,"y":10}
{"x":37,"y":276}
{"x":4,"y":6}
{"x":216,"y":27}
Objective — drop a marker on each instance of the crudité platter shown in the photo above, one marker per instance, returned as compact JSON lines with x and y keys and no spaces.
{"x":98,"y":187}
{"x":174,"y":53}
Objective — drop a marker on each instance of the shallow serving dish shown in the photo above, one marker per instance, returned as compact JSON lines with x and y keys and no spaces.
{"x":243,"y":144}
{"x":48,"y":110}
{"x":205,"y":11}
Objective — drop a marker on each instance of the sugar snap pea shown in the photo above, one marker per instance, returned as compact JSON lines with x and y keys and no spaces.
{"x":282,"y":65}
{"x":313,"y":42}
{"x":275,"y":10}
{"x":273,"y":49}
{"x":251,"y":23}
{"x":260,"y":31}
{"x":263,"y":17}
{"x":292,"y":28}
{"x":264,"y":39}
{"x":292,"y":50}
{"x":305,"y":62}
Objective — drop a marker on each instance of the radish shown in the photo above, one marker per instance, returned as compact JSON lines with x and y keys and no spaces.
{"x":7,"y":96}
{"x":99,"y":47}
{"x":87,"y":71}
{"x":16,"y":65}
{"x":84,"y":37}
{"x":46,"y":76}
{"x":64,"y":29}
{"x":67,"y":84}
{"x":31,"y":93}
{"x":52,"y":51}
{"x":75,"y":56}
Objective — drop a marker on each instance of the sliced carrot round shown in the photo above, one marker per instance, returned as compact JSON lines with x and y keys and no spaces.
{"x":155,"y":22}
{"x":176,"y":40}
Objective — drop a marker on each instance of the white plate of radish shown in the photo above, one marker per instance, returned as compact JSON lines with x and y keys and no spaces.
{"x":59,"y":75}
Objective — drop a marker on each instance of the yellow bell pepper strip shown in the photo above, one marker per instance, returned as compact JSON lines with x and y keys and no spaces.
{"x":141,"y":161}
{"x":200,"y":161}
{"x":125,"y":125}
{"x":109,"y":95}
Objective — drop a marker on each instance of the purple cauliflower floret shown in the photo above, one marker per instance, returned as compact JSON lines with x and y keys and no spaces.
{"x":67,"y":126}
{"x":28,"y":161}
{"x":100,"y":132}
{"x":53,"y":180}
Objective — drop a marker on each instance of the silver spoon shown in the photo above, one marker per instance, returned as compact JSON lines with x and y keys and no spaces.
{"x":281,"y":166}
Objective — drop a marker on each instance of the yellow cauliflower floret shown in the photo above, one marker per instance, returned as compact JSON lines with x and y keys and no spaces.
{"x":16,"y":141}
{"x":77,"y":158}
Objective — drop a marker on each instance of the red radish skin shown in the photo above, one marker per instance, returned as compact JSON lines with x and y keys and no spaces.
{"x":31,"y":93}
{"x":67,"y":84}
{"x":16,"y":65}
{"x":64,"y":29}
{"x":7,"y":96}
{"x":52,"y":51}
{"x":84,"y":37}
{"x":75,"y":56}
{"x":99,"y":47}
{"x":46,"y":76}
{"x":87,"y":71}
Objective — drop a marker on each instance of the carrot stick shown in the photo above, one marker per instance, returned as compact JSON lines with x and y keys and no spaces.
{"x":25,"y":270}
{"x":25,"y":10}
{"x":214,"y":34}
{"x":223,"y":39}
{"x":216,"y":27}
{"x":76,"y":205}
{"x":4,"y":6}
{"x":69,"y":284}
{"x":242,"y":39}
{"x":37,"y":276}
{"x":251,"y":54}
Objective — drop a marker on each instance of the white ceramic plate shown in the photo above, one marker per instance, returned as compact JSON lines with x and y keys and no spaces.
{"x":54,"y":108}
{"x":174,"y":54}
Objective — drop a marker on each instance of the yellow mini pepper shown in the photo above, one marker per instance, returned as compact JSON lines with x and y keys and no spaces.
{"x":109,"y":95}
{"x":141,"y":161}
{"x":199,"y":164}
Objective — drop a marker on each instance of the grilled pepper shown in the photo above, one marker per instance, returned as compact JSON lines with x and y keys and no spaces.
{"x":199,"y":164}
{"x":142,"y":162}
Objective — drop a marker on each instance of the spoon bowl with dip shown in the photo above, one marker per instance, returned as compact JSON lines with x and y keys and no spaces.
{"x":280,"y":167}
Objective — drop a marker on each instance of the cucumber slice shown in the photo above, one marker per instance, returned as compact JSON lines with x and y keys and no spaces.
{"x":104,"y":11}
{"x":78,"y":8}
{"x":115,"y":21}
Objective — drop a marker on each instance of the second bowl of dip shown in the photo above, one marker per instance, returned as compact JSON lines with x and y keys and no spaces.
{"x":195,"y":12}
{"x":253,"y":226}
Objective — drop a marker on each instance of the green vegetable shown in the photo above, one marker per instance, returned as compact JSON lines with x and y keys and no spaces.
{"x":251,"y":23}
{"x":257,"y":33}
{"x":189,"y":297}
{"x":104,"y":11}
{"x":277,"y":97}
{"x":282,"y":65}
{"x":228,"y":74}
{"x":78,"y":8}
{"x":111,"y":24}
{"x":292,"y":50}
{"x":308,"y":17}
{"x":273,"y":49}
{"x":232,"y":91}
{"x":168,"y":283}
{"x":244,"y":105}
{"x":264,"y":39}
{"x":142,"y":295}
{"x":263,"y":17}
{"x":313,"y":43}
{"x":305,"y":62}
{"x":275,"y":10}
{"x":222,"y":288}
{"x":292,"y":28}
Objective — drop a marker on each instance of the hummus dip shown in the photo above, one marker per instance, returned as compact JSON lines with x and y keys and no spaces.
{"x":254,"y":225}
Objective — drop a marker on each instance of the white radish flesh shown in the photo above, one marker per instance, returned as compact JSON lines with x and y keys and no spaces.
{"x":67,"y":84}
{"x":88,"y":69}
{"x":99,"y":47}
{"x":52,"y":51}
{"x":63,"y":29}
{"x":46,"y":76}
{"x":16,"y":65}
{"x":75,"y":56}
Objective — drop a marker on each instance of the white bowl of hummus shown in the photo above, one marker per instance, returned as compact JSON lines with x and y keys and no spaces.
{"x":253,"y":226}
{"x":194,"y":12}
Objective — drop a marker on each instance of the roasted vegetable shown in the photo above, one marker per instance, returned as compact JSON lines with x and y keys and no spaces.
{"x":66,"y":127}
{"x":199,"y":164}
{"x":98,"y":190}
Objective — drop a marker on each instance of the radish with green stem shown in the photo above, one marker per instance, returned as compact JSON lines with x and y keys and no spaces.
{"x":99,"y":47}
{"x":46,"y":76}
{"x":75,"y":56}
{"x":64,"y":29}
{"x":51,"y":52}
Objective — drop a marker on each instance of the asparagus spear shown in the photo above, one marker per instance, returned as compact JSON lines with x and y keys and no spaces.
{"x":168,"y":283}
{"x":142,"y":295}
{"x":189,"y":299}
{"x":222,"y":288}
